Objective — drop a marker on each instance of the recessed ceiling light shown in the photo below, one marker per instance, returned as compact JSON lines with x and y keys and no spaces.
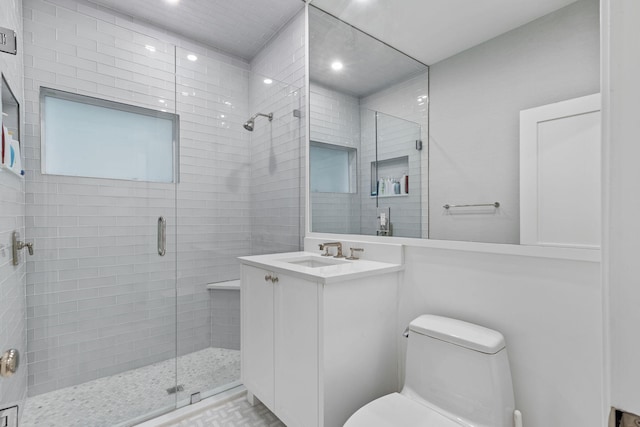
{"x":185,"y":93}
{"x":337,"y":65}
{"x":268,"y":81}
{"x":150,"y":48}
{"x":161,"y":101}
{"x":173,"y":1}
{"x":192,"y":57}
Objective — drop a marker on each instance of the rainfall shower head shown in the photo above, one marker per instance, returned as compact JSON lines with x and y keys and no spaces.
{"x":248,"y":125}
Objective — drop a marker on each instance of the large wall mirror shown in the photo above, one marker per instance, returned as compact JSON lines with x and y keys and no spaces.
{"x":494,"y":141}
{"x":370,"y":99}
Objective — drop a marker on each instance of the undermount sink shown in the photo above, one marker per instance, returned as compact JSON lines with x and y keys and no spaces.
{"x":314,"y":262}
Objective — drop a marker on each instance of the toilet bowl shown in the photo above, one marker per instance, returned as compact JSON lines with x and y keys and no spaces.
{"x":457,"y":374}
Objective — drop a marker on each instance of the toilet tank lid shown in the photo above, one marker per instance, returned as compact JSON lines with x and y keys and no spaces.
{"x":460,"y":333}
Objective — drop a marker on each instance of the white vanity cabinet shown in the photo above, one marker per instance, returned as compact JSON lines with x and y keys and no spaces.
{"x":315,"y":352}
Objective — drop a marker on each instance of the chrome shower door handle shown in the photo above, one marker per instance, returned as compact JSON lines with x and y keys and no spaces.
{"x":162,"y":236}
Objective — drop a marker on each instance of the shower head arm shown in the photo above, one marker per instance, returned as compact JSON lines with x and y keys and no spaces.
{"x":269,"y":116}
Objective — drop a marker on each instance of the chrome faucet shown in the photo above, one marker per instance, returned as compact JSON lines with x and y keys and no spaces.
{"x":326,"y":246}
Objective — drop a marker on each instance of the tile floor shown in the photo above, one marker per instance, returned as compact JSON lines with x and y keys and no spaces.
{"x":127,"y":396}
{"x":236,"y":413}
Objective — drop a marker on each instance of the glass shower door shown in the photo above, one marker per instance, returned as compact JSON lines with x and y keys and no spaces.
{"x":101,"y":212}
{"x":397,"y":177}
{"x":239,"y":194}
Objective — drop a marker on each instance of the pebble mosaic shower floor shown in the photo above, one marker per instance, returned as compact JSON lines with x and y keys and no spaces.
{"x":117,"y":399}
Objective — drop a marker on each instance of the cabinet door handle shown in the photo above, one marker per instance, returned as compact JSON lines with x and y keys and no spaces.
{"x":274,"y":279}
{"x":268,"y":277}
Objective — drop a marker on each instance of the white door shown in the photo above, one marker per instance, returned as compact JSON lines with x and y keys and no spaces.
{"x":560,"y":174}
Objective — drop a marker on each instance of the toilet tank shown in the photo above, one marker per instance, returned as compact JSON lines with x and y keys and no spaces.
{"x":461,"y":369}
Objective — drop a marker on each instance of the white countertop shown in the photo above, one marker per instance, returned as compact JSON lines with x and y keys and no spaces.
{"x":346,"y":270}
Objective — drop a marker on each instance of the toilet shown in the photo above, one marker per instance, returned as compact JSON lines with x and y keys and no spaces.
{"x":457,"y":374}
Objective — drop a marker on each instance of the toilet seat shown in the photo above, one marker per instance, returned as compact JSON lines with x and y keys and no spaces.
{"x":397,"y":410}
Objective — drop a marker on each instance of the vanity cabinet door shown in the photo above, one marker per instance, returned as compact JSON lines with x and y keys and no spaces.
{"x":297,"y":353}
{"x":257,"y":334}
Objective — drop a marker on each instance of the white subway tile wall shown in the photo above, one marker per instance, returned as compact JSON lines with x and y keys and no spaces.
{"x":342,"y":119}
{"x":409,"y":100}
{"x":335,"y":119}
{"x":278,"y":149}
{"x":225,"y":319}
{"x":394,"y":147}
{"x":214,"y":221}
{"x":100,"y":300}
{"x":12,"y":209}
{"x":98,"y":283}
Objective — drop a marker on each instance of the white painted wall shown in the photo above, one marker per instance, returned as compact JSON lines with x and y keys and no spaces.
{"x":12,"y":278}
{"x":621,"y":93}
{"x":549,"y":311}
{"x":476,"y":97}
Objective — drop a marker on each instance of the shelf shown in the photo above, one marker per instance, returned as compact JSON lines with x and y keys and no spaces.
{"x":229,"y":285}
{"x":394,"y":167}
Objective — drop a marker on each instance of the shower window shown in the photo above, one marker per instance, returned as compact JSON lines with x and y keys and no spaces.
{"x":333,"y":168}
{"x":92,"y":137}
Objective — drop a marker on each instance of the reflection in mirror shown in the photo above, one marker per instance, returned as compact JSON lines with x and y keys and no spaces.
{"x":333,"y":168}
{"x":484,"y":101}
{"x":368,"y":112}
{"x":476,"y":99}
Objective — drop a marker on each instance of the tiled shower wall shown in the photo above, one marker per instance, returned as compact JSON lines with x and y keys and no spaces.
{"x":388,"y":139}
{"x":100,"y":300}
{"x":335,"y":119}
{"x":277,"y":148}
{"x":408,"y":100}
{"x":339,"y":119}
{"x":214,"y":221}
{"x":12,"y":278}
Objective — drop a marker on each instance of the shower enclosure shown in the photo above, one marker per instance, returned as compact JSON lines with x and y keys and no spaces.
{"x":121,"y":325}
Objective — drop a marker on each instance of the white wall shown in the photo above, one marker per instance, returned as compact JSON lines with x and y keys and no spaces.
{"x":12,"y":278}
{"x":476,"y":97}
{"x":548,"y":310}
{"x":622,"y":178}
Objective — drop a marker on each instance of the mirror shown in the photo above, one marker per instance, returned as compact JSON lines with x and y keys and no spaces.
{"x":368,"y":114}
{"x":513,"y":122}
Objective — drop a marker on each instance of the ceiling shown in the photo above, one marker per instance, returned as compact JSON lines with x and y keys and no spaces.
{"x":432,"y":30}
{"x":240,"y":28}
{"x":368,"y":64}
